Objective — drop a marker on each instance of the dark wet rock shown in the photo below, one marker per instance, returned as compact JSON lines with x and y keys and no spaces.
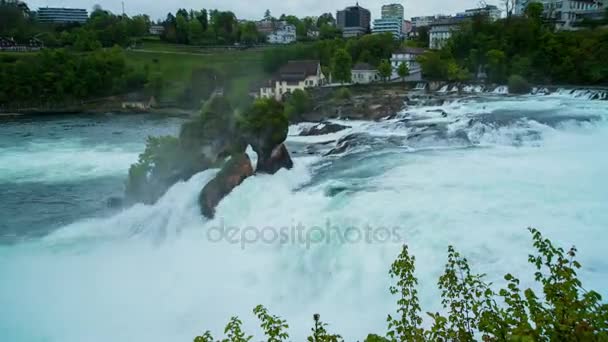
{"x":335,"y":190}
{"x":272,"y":162}
{"x":234,"y":172}
{"x":362,"y":140}
{"x":323,"y":128}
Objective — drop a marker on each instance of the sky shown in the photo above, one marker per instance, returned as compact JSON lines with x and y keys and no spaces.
{"x":254,"y":9}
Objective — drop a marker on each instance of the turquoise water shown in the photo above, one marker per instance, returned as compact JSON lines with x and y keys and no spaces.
{"x":73,"y":270}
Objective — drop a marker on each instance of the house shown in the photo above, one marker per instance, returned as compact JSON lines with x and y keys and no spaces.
{"x":265,"y":26}
{"x":363,"y":73}
{"x":284,"y":34}
{"x":313,"y":33}
{"x":156,"y":30}
{"x":441,"y":31}
{"x":293,"y":75}
{"x":409,"y":56}
{"x":6,"y":42}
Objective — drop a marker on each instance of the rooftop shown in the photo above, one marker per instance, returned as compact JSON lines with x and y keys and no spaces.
{"x":298,"y":70}
{"x":412,"y":51}
{"x":363,"y":67}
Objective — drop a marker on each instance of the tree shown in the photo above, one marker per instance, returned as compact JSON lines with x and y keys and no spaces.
{"x":403,"y":71}
{"x":203,"y":18}
{"x":342,"y":66}
{"x":385,"y":70}
{"x":326,"y":19}
{"x":181,"y":29}
{"x":298,"y":103}
{"x":267,"y":15}
{"x":195,"y":32}
{"x":509,"y":6}
{"x":248,"y":32}
{"x":534,"y":11}
{"x":329,"y":32}
{"x":496,"y":66}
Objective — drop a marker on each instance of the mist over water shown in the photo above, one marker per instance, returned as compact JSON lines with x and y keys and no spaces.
{"x":474,"y":178}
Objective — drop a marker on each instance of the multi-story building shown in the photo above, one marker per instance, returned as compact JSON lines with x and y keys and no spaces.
{"x":565,"y":13}
{"x":426,"y":21}
{"x":490,"y":11}
{"x":284,"y":34}
{"x":62,"y":15}
{"x":389,"y":25}
{"x":441,"y":31}
{"x":407,"y":28}
{"x":354,"y":21}
{"x":391,"y":21}
{"x":392,"y":11}
{"x":409,"y":56}
{"x":292,"y":76}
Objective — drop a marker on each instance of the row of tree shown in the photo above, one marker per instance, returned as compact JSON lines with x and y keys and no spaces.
{"x":57,"y":77}
{"x":103,"y":29}
{"x":214,"y":27}
{"x":527,"y":46}
{"x":208,"y":28}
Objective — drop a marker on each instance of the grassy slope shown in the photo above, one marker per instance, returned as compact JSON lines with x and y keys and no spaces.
{"x":176,"y":63}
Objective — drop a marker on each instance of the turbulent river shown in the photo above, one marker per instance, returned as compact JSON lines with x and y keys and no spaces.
{"x":474,"y":172}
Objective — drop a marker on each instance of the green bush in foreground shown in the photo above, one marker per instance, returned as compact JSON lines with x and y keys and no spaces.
{"x":565,"y":311}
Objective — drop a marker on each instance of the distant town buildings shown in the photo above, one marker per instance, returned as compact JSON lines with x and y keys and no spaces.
{"x":490,"y":11}
{"x":426,"y":21}
{"x":354,"y":21}
{"x":441,"y":31}
{"x":391,"y":21}
{"x":292,"y":76}
{"x":407,"y":28}
{"x":265,"y":26}
{"x":363,"y":73}
{"x":393,"y":11}
{"x":566,"y":13}
{"x":283,"y":34}
{"x":408,"y":56}
{"x":53,"y":15}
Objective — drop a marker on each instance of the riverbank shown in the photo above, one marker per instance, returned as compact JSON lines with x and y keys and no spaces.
{"x":362,"y":102}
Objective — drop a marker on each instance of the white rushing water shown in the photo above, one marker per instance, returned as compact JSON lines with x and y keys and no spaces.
{"x":151,"y":273}
{"x":57,"y":161}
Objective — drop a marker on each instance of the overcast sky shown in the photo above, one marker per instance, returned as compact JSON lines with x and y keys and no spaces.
{"x":254,"y":9}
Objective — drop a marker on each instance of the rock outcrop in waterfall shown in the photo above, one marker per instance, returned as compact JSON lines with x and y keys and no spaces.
{"x":217,"y":138}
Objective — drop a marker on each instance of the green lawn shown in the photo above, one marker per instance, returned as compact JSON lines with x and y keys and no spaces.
{"x":239,"y":67}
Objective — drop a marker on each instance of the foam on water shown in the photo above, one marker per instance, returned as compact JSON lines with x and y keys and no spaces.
{"x":58,"y":161}
{"x":151,"y":272}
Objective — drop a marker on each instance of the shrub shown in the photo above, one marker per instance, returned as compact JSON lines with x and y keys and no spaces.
{"x":158,"y":161}
{"x":298,"y":103}
{"x":518,"y":85}
{"x":565,"y":311}
{"x":265,"y":120}
{"x":343,"y":94}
